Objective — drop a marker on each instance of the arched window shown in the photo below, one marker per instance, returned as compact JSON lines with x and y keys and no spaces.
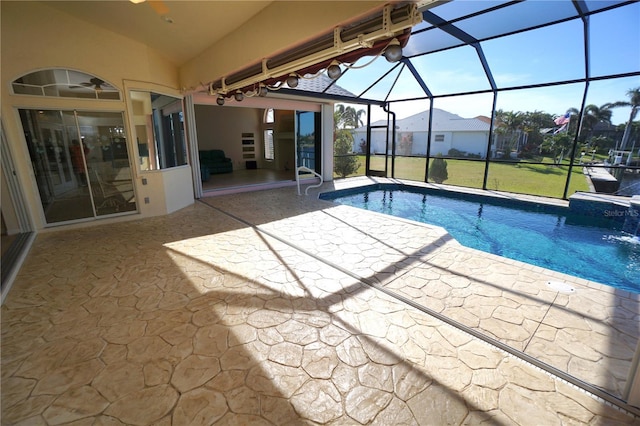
{"x":64,"y":83}
{"x":269,"y":153}
{"x":268,"y":116}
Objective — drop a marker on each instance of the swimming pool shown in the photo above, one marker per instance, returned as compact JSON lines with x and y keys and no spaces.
{"x":548,"y":236}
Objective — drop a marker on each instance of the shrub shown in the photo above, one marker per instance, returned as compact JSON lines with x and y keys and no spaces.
{"x":456,"y":153}
{"x":438,"y":170}
{"x":363,"y":146}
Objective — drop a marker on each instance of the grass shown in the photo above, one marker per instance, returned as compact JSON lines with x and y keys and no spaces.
{"x":523,"y":178}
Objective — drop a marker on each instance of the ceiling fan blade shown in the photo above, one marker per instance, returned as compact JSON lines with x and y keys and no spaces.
{"x":159,"y":6}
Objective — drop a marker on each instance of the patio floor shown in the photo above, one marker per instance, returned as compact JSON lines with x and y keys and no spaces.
{"x":272,"y":308}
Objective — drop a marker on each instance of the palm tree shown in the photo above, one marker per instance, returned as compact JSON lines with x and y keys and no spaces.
{"x":348,"y":117}
{"x":509,"y":125}
{"x":592,"y":116}
{"x":344,"y":162}
{"x":634,"y":103}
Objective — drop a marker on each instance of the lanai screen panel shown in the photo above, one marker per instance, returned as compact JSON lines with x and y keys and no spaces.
{"x":407,"y":87}
{"x":515,"y":17}
{"x":452,"y":71}
{"x":373,"y":81}
{"x":530,"y":43}
{"x":454,"y":10}
{"x":618,"y":27}
{"x":430,"y":40}
{"x":543,"y":55}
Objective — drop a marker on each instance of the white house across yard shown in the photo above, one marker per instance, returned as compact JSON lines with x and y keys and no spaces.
{"x":449,"y":131}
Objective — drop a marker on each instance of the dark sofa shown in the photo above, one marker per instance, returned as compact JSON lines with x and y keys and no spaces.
{"x":215,"y":162}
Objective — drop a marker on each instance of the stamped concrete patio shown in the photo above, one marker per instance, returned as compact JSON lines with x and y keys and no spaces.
{"x":272,"y":308}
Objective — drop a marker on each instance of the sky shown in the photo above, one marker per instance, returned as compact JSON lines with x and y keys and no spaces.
{"x":544,"y":55}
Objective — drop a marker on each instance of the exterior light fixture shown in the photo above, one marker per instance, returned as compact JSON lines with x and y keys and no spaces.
{"x":220,"y":100}
{"x":292,"y":80}
{"x":239,"y":96}
{"x":393,"y":51}
{"x":333,"y":71}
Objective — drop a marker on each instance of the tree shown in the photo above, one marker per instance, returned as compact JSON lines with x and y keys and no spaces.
{"x":532,"y":124}
{"x":344,"y":164}
{"x":509,"y":125}
{"x":634,"y":103}
{"x":438,"y":170}
{"x":348,"y":117}
{"x":558,"y":145}
{"x":592,"y":116}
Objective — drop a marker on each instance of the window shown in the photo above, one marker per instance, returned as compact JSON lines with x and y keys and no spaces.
{"x":268,"y":116}
{"x":159,"y":130}
{"x":63,"y":83}
{"x":439,"y":138}
{"x":269,"y":153}
{"x":268,"y":145}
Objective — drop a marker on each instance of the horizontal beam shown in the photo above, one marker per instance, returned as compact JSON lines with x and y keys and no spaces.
{"x":389,"y":29}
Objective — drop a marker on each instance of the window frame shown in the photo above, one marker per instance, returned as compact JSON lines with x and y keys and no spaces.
{"x":64,"y":83}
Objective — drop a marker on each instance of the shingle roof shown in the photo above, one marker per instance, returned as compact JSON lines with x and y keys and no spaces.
{"x":319,"y":83}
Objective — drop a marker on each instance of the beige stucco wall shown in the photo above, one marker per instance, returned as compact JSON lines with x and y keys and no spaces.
{"x":36,"y":36}
{"x":279,"y":26}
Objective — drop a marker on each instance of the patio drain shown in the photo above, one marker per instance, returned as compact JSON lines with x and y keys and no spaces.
{"x":561,"y":287}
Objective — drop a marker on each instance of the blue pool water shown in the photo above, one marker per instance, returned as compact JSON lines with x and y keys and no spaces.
{"x":547,"y":236}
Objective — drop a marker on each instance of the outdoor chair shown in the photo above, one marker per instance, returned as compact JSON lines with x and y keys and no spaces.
{"x":110,"y":195}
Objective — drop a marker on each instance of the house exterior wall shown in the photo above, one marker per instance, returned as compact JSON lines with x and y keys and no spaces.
{"x":35,"y":36}
{"x":378,"y":142}
{"x":415,"y":143}
{"x":419,"y":145}
{"x":441,"y":147}
{"x":471,"y":142}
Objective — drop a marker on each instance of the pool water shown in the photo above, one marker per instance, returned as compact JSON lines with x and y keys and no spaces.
{"x":546,"y":236}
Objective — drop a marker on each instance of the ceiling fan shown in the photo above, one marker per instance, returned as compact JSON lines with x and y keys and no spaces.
{"x":157,"y":5}
{"x":95,"y":84}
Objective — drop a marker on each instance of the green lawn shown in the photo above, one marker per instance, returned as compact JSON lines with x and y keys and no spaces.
{"x":521,"y":178}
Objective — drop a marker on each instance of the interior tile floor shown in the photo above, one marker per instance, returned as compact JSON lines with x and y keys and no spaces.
{"x":246,"y":177}
{"x":272,"y":308}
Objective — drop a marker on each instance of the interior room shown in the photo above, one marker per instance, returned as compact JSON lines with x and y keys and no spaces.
{"x":255,"y":147}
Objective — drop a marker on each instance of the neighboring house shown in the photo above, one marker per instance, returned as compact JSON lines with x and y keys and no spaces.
{"x":607,"y":130}
{"x":449,"y":131}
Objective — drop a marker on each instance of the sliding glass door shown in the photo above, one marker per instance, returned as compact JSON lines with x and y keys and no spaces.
{"x":308,"y":140}
{"x":81,"y":163}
